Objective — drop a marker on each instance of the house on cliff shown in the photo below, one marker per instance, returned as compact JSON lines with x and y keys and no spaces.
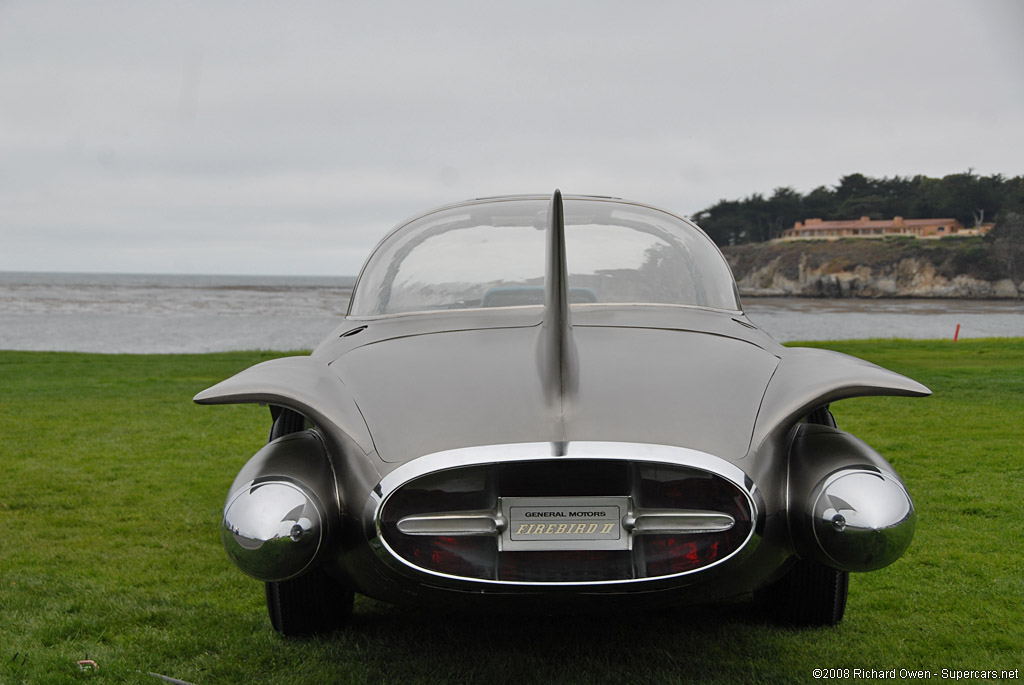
{"x":866,"y":227}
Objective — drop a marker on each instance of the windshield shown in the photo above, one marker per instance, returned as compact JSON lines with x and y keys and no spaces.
{"x":492,"y":255}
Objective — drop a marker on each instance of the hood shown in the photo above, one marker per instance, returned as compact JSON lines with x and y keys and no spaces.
{"x":426,"y":393}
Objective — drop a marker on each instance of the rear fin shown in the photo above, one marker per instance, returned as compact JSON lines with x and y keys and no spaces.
{"x":556,"y":348}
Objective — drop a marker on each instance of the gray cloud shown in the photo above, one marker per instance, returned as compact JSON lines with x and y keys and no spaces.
{"x":261,"y":137}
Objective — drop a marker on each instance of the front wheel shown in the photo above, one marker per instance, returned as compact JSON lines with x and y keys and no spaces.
{"x":312,"y":604}
{"x":810,"y":594}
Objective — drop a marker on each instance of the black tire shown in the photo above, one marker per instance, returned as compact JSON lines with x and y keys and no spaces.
{"x":312,"y":604}
{"x":822,"y":416}
{"x":286,"y":421}
{"x":810,"y":594}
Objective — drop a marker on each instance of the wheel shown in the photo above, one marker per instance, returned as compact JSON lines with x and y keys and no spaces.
{"x":822,"y":416}
{"x":810,"y":594}
{"x":285,"y":421}
{"x":312,"y":604}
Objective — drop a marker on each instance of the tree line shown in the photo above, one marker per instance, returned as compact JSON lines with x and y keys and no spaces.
{"x":967,"y":197}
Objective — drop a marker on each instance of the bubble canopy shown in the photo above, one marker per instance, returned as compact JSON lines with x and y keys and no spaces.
{"x":490,"y":254}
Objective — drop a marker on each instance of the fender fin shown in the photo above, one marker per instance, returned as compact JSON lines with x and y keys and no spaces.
{"x":808,"y":378}
{"x":303,"y":384}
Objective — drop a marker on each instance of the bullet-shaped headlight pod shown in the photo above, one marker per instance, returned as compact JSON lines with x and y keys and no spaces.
{"x":272,"y":530}
{"x":862,"y":520}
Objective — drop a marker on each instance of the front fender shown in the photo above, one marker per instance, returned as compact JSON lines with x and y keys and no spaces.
{"x":303,"y":384}
{"x":808,"y":378}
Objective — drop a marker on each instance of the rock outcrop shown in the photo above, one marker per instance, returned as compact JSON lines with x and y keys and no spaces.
{"x":890,"y":267}
{"x":909,"y":277}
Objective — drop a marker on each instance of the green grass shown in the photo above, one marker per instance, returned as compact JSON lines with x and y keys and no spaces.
{"x":112,"y":482}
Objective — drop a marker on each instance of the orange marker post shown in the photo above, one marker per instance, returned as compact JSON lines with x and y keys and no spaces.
{"x":957,"y":334}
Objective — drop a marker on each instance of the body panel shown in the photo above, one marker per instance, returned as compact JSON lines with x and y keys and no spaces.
{"x":484,"y":387}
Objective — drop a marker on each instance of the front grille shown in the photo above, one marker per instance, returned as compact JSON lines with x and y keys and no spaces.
{"x":455,"y":522}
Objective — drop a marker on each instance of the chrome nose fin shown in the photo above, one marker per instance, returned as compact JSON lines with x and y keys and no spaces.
{"x":556,"y":348}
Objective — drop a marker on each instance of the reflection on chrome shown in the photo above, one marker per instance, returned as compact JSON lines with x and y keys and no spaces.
{"x":649,"y":521}
{"x":639,"y":522}
{"x":862,"y":520}
{"x":454,"y":523}
{"x":272,"y":530}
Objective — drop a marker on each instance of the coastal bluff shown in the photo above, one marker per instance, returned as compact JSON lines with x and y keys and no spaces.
{"x":966,"y":268}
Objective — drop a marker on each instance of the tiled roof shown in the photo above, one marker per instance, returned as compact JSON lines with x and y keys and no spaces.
{"x":873,"y":223}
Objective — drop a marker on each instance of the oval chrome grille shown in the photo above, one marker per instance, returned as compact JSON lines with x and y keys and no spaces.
{"x":566,"y":520}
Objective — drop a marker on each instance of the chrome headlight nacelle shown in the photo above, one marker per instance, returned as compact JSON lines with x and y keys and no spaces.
{"x":282,"y":508}
{"x":272,"y":530}
{"x":861,"y":520}
{"x":847,"y":507}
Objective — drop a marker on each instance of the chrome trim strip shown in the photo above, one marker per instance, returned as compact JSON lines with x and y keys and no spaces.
{"x":647,"y":521}
{"x":638,"y":522}
{"x":545,"y":451}
{"x":454,"y":523}
{"x":533,"y":451}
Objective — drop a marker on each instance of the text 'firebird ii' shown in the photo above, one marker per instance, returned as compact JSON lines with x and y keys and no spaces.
{"x":559,"y":402}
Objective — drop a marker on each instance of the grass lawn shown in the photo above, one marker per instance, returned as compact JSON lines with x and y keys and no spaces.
{"x":112,"y":482}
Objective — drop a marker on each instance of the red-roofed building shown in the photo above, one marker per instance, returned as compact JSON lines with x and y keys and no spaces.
{"x":865,"y":227}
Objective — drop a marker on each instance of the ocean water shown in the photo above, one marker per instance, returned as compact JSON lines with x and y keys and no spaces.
{"x":168,"y":313}
{"x":185,"y":313}
{"x":802,"y":318}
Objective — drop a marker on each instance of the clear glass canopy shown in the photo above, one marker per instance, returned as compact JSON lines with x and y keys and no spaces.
{"x":491,"y":254}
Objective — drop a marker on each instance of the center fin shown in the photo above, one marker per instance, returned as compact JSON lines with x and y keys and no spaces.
{"x":556,"y":348}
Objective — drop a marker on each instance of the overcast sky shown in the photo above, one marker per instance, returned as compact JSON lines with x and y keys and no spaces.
{"x":287,"y":137}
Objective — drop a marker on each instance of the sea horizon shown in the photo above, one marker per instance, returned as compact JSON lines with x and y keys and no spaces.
{"x":94,"y":311}
{"x":176,"y":274}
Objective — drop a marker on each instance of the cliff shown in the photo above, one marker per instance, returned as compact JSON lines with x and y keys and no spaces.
{"x":889,"y":267}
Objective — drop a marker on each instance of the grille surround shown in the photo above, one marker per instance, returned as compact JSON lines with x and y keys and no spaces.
{"x":542,"y":458}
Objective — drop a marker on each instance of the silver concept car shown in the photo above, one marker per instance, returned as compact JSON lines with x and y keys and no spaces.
{"x":557,"y":401}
